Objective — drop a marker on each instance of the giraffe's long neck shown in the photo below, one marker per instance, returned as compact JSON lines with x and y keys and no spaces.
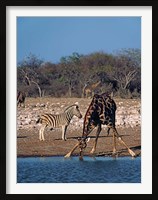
{"x":91,"y":118}
{"x":95,"y":85}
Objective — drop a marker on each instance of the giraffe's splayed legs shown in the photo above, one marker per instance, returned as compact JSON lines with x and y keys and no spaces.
{"x":122,"y":142}
{"x":96,"y":139}
{"x":72,"y":150}
{"x":114,"y":153}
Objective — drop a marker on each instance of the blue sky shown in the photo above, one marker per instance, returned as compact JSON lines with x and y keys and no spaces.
{"x":50,"y":38}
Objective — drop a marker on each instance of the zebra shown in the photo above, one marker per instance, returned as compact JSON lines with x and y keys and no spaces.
{"x":59,"y":120}
{"x":21,"y":98}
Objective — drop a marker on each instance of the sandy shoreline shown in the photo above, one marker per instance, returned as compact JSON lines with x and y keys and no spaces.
{"x":28,"y":144}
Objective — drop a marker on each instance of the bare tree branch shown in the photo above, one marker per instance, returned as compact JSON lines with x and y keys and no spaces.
{"x":124,"y":78}
{"x":39,"y":89}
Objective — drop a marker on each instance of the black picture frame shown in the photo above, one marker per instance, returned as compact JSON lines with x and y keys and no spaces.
{"x":3,"y":5}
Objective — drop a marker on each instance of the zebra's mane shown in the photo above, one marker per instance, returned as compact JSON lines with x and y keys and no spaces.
{"x":70,"y":107}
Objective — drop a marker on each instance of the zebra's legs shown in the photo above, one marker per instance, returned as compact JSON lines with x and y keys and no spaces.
{"x":41,"y":133}
{"x":64,"y":128}
{"x":122,"y":142}
{"x":96,"y":139}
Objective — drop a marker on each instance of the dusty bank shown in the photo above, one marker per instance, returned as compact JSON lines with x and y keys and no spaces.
{"x":128,"y":123}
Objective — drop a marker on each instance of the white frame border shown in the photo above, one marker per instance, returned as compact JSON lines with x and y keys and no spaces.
{"x":145,"y":187}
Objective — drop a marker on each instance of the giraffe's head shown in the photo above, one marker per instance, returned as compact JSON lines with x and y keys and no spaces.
{"x":82,"y":145}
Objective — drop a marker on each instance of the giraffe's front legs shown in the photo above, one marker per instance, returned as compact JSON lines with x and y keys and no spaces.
{"x":72,"y":150}
{"x":122,"y":142}
{"x":114,"y":145}
{"x":129,"y":150}
{"x":96,"y":139}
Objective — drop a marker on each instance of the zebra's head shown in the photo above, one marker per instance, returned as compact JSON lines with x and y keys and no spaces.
{"x":73,"y":110}
{"x":76,"y":111}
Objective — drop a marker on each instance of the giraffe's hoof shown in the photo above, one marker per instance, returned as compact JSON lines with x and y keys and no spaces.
{"x":132,"y":153}
{"x":67,"y":155}
{"x":92,"y":152}
{"x":81,"y":158}
{"x":92,"y":155}
{"x":114,"y":154}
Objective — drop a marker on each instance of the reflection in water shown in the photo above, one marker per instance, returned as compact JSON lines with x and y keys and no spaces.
{"x":90,"y":170}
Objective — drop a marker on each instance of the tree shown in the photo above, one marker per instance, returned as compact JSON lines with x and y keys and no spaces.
{"x":28,"y":69}
{"x":124,"y":73}
{"x":29,"y":79}
{"x":132,"y":54}
{"x":31,"y":61}
{"x":73,"y":59}
{"x":120,"y":73}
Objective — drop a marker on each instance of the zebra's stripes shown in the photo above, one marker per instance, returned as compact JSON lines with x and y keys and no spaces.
{"x":60,"y":120}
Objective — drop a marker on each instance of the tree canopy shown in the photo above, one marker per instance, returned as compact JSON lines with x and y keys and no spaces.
{"x":119,"y":72}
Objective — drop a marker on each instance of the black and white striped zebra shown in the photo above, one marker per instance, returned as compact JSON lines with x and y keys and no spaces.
{"x":58,"y":120}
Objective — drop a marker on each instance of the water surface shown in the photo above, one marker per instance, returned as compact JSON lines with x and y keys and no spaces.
{"x":90,"y":170}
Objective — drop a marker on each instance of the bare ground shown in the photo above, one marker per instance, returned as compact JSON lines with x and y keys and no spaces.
{"x":28,"y":143}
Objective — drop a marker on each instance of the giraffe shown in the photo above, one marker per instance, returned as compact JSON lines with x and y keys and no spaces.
{"x":101,"y":111}
{"x":89,"y":89}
